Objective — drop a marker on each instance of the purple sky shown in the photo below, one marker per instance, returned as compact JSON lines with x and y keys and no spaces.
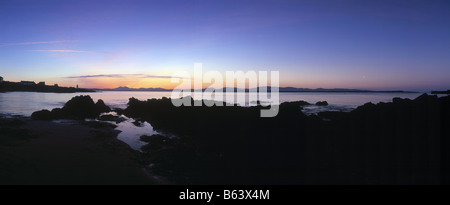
{"x":378,"y":45}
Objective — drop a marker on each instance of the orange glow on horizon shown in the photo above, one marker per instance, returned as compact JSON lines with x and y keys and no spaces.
{"x":307,"y":82}
{"x":110,"y":83}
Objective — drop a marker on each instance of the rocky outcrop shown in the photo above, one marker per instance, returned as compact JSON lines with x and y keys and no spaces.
{"x":79,"y":107}
{"x":113,"y":118}
{"x":42,"y":115}
{"x":383,"y":143}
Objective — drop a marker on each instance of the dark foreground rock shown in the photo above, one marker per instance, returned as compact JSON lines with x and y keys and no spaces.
{"x":12,"y":132}
{"x":79,"y":107}
{"x":113,"y":118}
{"x":403,"y":142}
{"x":36,"y":152}
{"x":42,"y":115}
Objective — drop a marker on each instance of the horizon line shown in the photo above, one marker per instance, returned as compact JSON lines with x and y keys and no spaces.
{"x":288,"y":87}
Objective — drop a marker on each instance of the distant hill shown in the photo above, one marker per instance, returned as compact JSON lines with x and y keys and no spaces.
{"x":281,"y":89}
{"x":125,"y":88}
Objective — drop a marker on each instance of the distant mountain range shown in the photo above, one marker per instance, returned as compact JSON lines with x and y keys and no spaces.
{"x":281,"y":89}
{"x":125,"y":88}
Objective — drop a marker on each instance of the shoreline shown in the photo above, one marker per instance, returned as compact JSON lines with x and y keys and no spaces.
{"x":34,"y":91}
{"x":73,"y":152}
{"x":315,"y":91}
{"x":7,"y":86}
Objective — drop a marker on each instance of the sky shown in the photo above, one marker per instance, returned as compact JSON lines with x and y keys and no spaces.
{"x":378,"y":45}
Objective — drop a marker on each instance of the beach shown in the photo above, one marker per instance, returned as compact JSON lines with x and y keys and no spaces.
{"x":66,"y":152}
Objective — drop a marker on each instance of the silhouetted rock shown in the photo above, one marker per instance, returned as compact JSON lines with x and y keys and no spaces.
{"x":297,"y":103}
{"x":57,"y":113}
{"x":364,"y":146}
{"x":400,"y":142}
{"x":79,"y":107}
{"x":113,"y":118}
{"x":366,"y":106}
{"x":425,"y":98}
{"x":398,"y":100}
{"x":101,"y":107}
{"x":118,"y":111}
{"x":220,"y":139}
{"x":322,"y":103}
{"x":42,"y":115}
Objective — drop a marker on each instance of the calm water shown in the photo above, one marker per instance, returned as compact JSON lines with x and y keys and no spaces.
{"x":25,"y":103}
{"x":131,"y":133}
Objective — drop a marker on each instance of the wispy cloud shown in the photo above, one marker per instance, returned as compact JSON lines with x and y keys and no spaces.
{"x":121,"y":76}
{"x":67,"y":51}
{"x":34,"y":43}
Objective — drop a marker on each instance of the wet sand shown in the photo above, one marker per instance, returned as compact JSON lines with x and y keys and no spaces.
{"x":45,"y":152}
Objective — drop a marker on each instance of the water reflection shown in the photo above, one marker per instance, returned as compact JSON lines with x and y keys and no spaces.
{"x":132,"y":131}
